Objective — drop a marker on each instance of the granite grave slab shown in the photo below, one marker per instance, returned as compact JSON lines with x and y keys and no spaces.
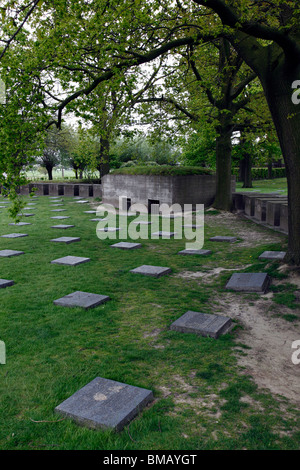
{"x":163,"y":234}
{"x":10,"y":253}
{"x":195,"y":252}
{"x":15,"y":235}
{"x":81,"y":299}
{"x":5,"y":283}
{"x":20,"y":224}
{"x":220,"y":238}
{"x":62,"y":226}
{"x":66,"y":240}
{"x":249,"y":282}
{"x":105,"y":404}
{"x":126,"y":245}
{"x":273,"y":255}
{"x":153,"y":271}
{"x":202,"y":324}
{"x":70,"y":260}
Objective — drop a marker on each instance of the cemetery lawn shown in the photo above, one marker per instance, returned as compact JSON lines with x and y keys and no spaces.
{"x":266,"y":186}
{"x":240,"y":391}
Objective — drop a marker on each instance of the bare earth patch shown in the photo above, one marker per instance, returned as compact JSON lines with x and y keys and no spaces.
{"x":249,"y":233}
{"x":269,"y":361}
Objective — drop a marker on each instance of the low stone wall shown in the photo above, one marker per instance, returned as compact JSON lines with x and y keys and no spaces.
{"x":269,"y":209}
{"x":63,"y":189}
{"x":156,"y":189}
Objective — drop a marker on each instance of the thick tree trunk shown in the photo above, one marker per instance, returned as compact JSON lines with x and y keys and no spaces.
{"x":223,"y":199}
{"x":270,"y":172}
{"x":104,"y":166}
{"x":49,"y":171}
{"x":247,"y":179}
{"x":286,"y":116}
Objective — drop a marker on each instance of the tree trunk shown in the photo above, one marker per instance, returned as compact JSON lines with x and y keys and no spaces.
{"x":286,"y":116}
{"x":247,"y":171}
{"x":270,"y":173}
{"x":104,"y":166}
{"x":223,"y":199}
{"x":49,"y":171}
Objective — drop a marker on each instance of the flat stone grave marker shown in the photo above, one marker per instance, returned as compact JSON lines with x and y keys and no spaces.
{"x":108,"y":229}
{"x":65,"y":240}
{"x":81,"y":299}
{"x":56,"y":205}
{"x":29,"y":208}
{"x":81,"y":202}
{"x":195,"y":252}
{"x":60,"y":217}
{"x":20,"y":224}
{"x":5,"y":283}
{"x":153,"y":271}
{"x":143,"y":222}
{"x":273,"y":255}
{"x":58,"y":210}
{"x":164,"y":234}
{"x":62,"y":226}
{"x":249,"y":282}
{"x":25,"y":215}
{"x":90,"y":212}
{"x":98,"y":220}
{"x":105,"y":404}
{"x":15,"y":235}
{"x":219,"y":238}
{"x":3,"y":207}
{"x":10,"y":253}
{"x":70,"y":260}
{"x":202,"y":324}
{"x":126,"y":245}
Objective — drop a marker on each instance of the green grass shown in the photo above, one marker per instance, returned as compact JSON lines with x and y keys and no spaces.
{"x":53,"y":351}
{"x":266,"y":186}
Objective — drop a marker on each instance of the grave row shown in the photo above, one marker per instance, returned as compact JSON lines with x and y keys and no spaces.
{"x":107,"y":404}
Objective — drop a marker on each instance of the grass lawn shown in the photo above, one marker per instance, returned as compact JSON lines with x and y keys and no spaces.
{"x":206,"y":394}
{"x":266,"y":186}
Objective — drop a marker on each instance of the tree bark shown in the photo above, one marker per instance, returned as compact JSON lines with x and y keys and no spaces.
{"x":104,"y":166}
{"x":247,"y":165}
{"x":50,"y":172}
{"x":223,"y":199}
{"x":286,"y":116}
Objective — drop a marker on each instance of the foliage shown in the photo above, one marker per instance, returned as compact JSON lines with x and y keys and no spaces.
{"x":162,"y":170}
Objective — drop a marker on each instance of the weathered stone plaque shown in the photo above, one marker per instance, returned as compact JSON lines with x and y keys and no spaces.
{"x":70,"y":260}
{"x":195,"y":252}
{"x":81,"y":299}
{"x":126,"y":245}
{"x":164,"y":234}
{"x":10,"y":253}
{"x":249,"y":282}
{"x":15,"y":235}
{"x":273,"y":255}
{"x":220,"y":238}
{"x":154,"y":271}
{"x":65,"y":240}
{"x":62,"y":226}
{"x":105,"y":404}
{"x":5,"y":283}
{"x":202,"y":324}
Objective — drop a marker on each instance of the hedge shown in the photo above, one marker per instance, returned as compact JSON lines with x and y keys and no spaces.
{"x":163,"y":170}
{"x":262,"y":173}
